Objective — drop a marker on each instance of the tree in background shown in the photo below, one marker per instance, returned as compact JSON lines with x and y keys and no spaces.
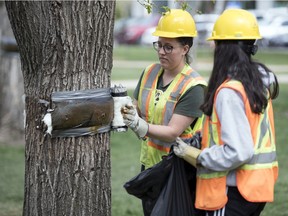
{"x":64,"y":45}
{"x":11,"y":83}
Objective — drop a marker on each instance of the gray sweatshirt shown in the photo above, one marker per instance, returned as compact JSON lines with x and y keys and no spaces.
{"x":238,"y":147}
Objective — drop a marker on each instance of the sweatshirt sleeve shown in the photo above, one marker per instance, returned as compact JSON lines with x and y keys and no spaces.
{"x":237,"y":145}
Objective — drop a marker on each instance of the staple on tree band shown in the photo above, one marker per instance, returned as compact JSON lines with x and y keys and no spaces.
{"x":79,"y":113}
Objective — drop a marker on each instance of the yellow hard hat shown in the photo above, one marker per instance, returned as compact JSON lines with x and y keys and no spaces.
{"x":176,"y":23}
{"x":235,"y":24}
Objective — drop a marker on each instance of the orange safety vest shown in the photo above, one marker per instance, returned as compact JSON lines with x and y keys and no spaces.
{"x":152,"y":149}
{"x":255,"y":179}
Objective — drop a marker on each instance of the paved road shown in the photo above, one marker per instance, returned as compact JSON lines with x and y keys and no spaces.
{"x":280,"y":70}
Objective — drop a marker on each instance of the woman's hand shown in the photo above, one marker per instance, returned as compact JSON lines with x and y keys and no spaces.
{"x":133,"y":121}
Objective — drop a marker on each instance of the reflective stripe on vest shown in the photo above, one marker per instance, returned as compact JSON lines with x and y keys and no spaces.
{"x":256,"y":178}
{"x":161,"y":113}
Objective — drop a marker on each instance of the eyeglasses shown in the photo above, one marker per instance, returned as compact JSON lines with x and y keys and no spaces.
{"x":167,"y":48}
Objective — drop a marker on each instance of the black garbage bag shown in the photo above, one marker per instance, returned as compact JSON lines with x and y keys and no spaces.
{"x":166,"y":189}
{"x":148,"y":184}
{"x":177,"y":196}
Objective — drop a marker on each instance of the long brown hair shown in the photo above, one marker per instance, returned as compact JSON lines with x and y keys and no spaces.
{"x":231,"y":61}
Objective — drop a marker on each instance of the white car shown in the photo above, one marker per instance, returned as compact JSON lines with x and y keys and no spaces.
{"x":147,"y":38}
{"x":271,"y":30}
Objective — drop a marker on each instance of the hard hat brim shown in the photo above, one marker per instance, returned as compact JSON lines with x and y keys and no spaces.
{"x":171,"y":34}
{"x":233,"y":38}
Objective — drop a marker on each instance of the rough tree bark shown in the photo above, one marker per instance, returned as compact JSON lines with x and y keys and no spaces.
{"x":64,"y":45}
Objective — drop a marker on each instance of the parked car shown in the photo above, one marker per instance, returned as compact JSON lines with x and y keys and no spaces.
{"x":273,"y":31}
{"x":133,"y":28}
{"x":147,"y":37}
{"x":280,"y":40}
{"x":119,"y":25}
{"x":260,"y":15}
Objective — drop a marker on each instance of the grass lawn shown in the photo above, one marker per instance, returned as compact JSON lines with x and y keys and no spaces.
{"x":124,"y":204}
{"x":11,"y":179}
{"x":125,"y":164}
{"x":125,"y":149}
{"x":147,"y":53}
{"x":203,"y":56}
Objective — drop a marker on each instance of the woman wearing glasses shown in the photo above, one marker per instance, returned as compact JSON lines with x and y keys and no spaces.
{"x":168,"y":94}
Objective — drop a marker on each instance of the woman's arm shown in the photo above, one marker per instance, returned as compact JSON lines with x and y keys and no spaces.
{"x":175,"y":128}
{"x":235,"y":133}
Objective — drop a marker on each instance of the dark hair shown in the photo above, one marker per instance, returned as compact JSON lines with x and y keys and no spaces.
{"x":232,"y":62}
{"x":186,"y":41}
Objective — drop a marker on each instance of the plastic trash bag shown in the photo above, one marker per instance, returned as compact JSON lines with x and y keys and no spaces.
{"x":148,"y":184}
{"x":166,"y":189}
{"x":177,"y":196}
{"x":79,"y":113}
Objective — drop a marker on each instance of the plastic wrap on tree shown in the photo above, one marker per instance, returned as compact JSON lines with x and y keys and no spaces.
{"x":79,"y":113}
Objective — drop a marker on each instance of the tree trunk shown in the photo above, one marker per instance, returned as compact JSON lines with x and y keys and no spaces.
{"x":64,"y":45}
{"x":11,"y":83}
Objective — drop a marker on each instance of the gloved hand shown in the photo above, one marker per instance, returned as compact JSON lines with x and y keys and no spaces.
{"x":133,"y":121}
{"x":188,"y":153}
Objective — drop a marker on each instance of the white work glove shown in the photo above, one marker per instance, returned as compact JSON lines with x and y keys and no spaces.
{"x":133,"y":121}
{"x":188,"y":153}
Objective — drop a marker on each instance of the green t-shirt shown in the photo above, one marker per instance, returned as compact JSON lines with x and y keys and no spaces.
{"x":188,"y":105}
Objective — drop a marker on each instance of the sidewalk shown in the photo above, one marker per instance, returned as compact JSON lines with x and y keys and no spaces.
{"x":280,"y":70}
{"x":197,"y":65}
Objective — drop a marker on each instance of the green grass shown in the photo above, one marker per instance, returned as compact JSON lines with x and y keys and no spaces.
{"x":125,"y":149}
{"x":143,"y":53}
{"x":120,"y":197}
{"x":272,"y":56}
{"x":147,"y":53}
{"x":128,"y":73}
{"x":125,"y":165}
{"x":279,"y":207}
{"x":11,"y":179}
{"x":200,"y":55}
{"x":125,"y":154}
